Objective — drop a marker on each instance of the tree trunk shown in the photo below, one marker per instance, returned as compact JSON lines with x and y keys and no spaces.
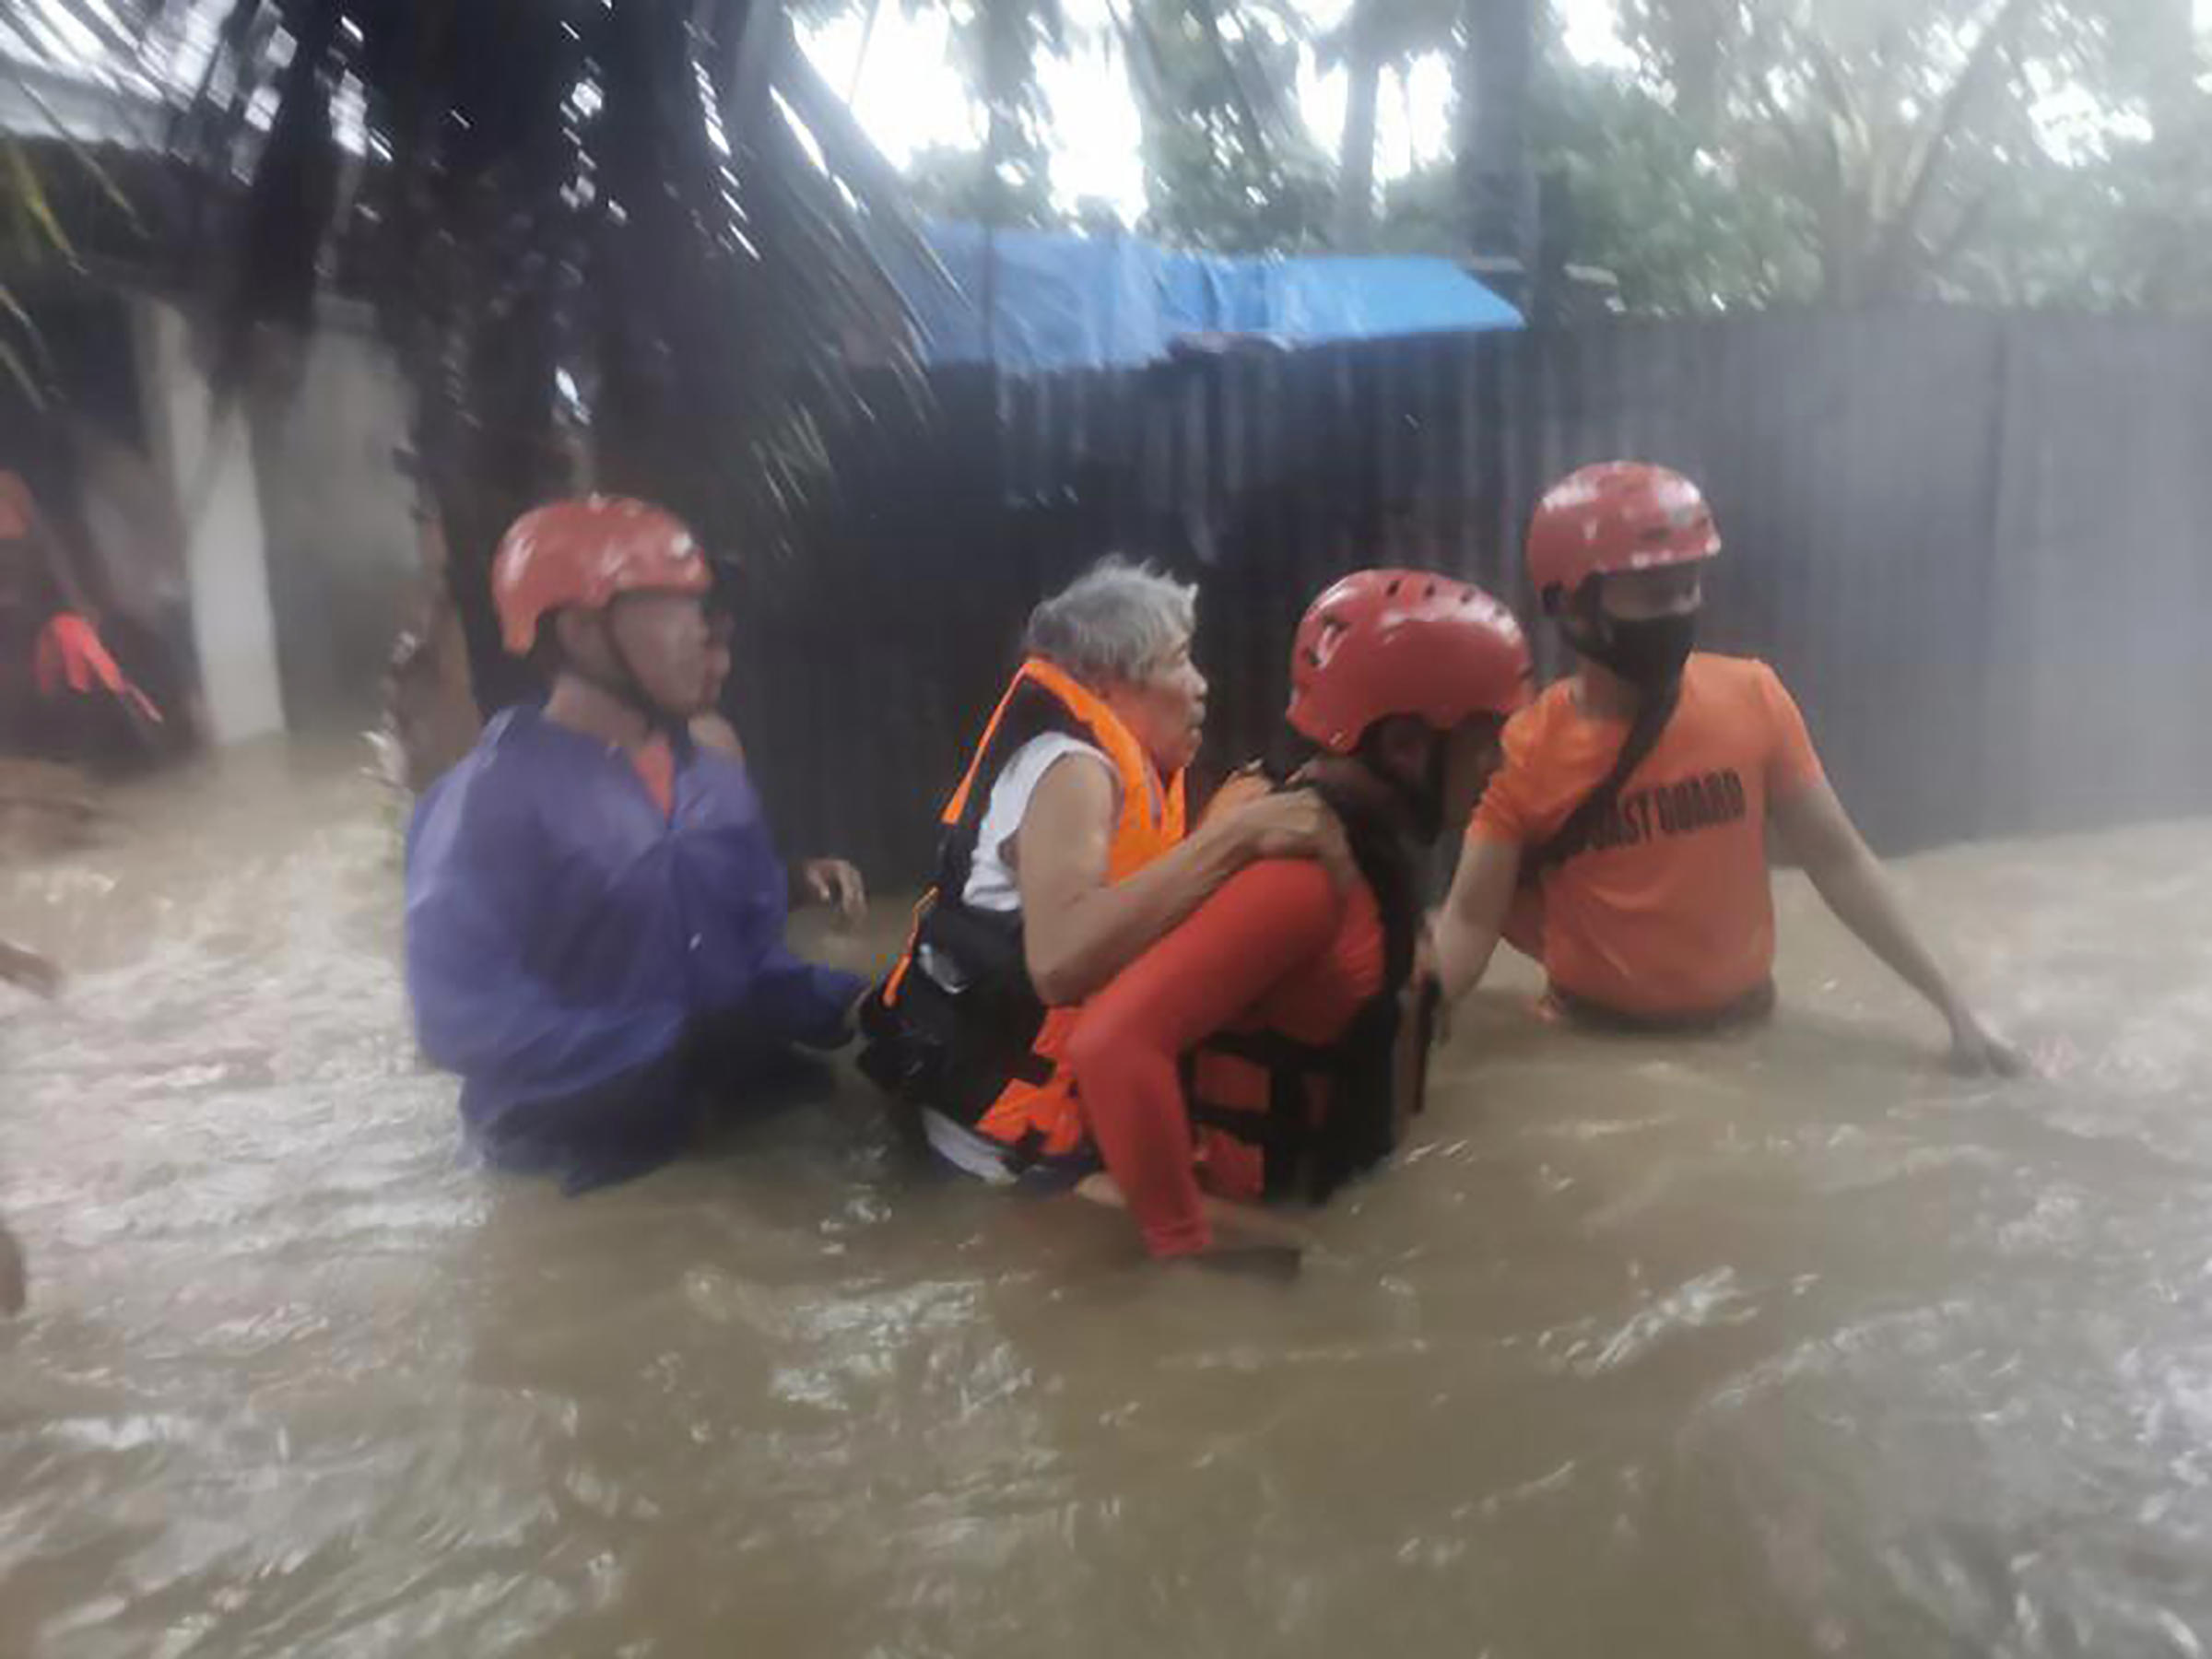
{"x":1694,"y":38}
{"x":1356,"y":156}
{"x":2181,"y":117}
{"x":2175,"y":100}
{"x":1008,"y":80}
{"x":1496,"y":179}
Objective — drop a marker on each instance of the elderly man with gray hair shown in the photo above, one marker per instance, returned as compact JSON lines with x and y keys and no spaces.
{"x":1065,"y":855}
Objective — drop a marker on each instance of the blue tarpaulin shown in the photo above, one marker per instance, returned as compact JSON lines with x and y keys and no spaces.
{"x":1030,"y":300}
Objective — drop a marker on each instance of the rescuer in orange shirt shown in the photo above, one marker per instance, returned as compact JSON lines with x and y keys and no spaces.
{"x":1635,"y":795}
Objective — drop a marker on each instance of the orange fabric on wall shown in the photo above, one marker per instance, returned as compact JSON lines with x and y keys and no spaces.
{"x":69,"y":657}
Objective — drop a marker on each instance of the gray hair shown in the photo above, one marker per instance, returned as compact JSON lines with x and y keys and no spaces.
{"x":1113,"y":622}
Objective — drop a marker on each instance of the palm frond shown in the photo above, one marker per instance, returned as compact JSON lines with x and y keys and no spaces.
{"x":636,"y":243}
{"x":80,"y":153}
{"x":30,"y":209}
{"x":28,"y":378}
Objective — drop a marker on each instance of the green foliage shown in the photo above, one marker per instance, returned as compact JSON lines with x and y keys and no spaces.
{"x":948,"y":182}
{"x":1648,"y":199}
{"x":1639,"y":197}
{"x":1392,"y":32}
{"x":1855,"y":151}
{"x":1228,"y":164}
{"x":998,"y":45}
{"x":31,"y":241}
{"x":1866,"y":151}
{"x":618,"y":243}
{"x":1207,"y":187}
{"x":1375,"y":36}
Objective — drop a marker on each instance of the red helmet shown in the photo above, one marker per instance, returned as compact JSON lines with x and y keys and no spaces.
{"x":1618,"y":515}
{"x":1383,"y":643}
{"x":584,"y":552}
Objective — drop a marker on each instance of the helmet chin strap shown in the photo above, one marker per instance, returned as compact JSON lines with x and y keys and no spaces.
{"x":624,"y":684}
{"x":1423,"y":798}
{"x":1427,"y":798}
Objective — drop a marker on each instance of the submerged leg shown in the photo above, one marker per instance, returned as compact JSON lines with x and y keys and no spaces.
{"x":13,"y":1281}
{"x":623,"y":1128}
{"x":1266,"y":923}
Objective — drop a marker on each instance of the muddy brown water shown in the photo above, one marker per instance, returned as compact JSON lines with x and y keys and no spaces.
{"x":1784,"y":1345}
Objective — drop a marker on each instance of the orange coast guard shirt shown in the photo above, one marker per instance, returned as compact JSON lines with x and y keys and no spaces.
{"x":1670,"y":910}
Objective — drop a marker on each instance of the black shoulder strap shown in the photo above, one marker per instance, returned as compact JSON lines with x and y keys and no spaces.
{"x":1359,"y":1129}
{"x":1575,"y":829}
{"x":1388,"y":867}
{"x":1032,"y":713}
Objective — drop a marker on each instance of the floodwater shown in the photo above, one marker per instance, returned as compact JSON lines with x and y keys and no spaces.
{"x":1782,"y":1344}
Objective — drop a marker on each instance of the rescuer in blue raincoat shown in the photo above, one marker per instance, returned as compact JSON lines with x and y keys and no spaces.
{"x":595,"y":910}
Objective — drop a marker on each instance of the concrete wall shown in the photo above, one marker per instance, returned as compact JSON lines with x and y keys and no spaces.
{"x":207,"y":456}
{"x":300,"y":554}
{"x":343,"y":559}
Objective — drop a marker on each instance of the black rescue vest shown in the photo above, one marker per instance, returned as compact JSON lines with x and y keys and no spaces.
{"x":1331,"y":1110}
{"x":957,"y":1026}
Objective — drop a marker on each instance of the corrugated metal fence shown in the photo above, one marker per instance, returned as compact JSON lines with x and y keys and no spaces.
{"x":1972,"y":544}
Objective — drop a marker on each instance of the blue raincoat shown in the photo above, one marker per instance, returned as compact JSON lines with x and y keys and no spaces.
{"x":568,"y":944}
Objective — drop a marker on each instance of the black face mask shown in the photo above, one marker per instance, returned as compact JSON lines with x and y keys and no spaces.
{"x":1648,"y":653}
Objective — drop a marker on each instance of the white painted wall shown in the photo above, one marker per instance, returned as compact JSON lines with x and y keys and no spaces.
{"x":209,"y":464}
{"x":345,"y":567}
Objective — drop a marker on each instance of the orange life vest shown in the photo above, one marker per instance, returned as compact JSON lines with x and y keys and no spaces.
{"x":1152,"y":817}
{"x":957,"y":1026}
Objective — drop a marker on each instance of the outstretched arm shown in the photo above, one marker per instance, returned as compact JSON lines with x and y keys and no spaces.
{"x":1464,"y":935}
{"x":1851,"y":881}
{"x":834,"y":882}
{"x":1078,"y":930}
